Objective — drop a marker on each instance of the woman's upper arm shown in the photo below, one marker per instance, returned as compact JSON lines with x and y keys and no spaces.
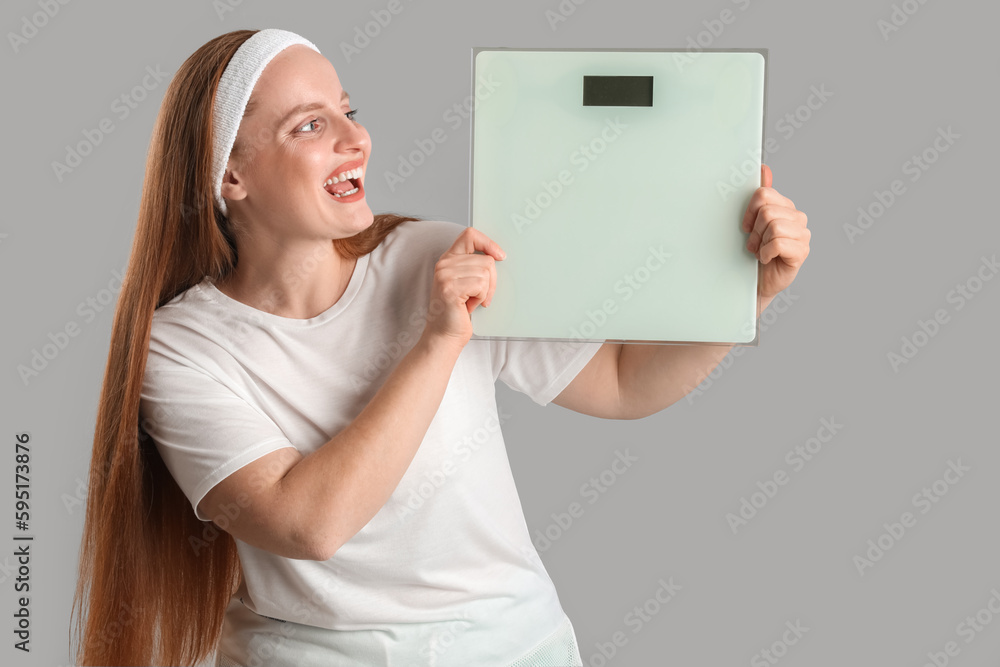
{"x":250,"y":505}
{"x":225,"y":453}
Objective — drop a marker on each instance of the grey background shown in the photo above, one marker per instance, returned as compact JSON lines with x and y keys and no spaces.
{"x":824,"y":357}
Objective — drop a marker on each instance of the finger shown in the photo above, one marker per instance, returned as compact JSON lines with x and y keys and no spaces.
{"x":471,"y":281}
{"x":471,"y":240}
{"x":773,"y":249}
{"x":766,"y":178}
{"x":761,"y":196}
{"x":481,"y":268}
{"x":794,"y":245}
{"x":766,"y":214}
{"x":486,"y":282}
{"x":787,"y":228}
{"x":483,"y":276}
{"x":791,"y":251}
{"x":471,"y":287}
{"x":470,"y":304}
{"x":493,"y":284}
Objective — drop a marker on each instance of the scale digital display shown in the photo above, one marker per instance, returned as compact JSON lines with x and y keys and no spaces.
{"x":617,"y":91}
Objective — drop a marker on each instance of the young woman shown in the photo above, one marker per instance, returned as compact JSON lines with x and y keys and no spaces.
{"x":298,"y":458}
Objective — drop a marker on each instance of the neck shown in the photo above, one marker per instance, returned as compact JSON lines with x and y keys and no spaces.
{"x":295,"y":283}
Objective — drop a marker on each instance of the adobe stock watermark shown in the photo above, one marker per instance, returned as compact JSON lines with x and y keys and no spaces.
{"x":926,"y":330}
{"x":915,"y":167}
{"x":210,"y":530}
{"x":581,"y":158}
{"x":8,"y":568}
{"x":364,"y":34}
{"x":628,"y":286}
{"x":78,"y":499}
{"x":636,"y":620}
{"x":797,"y":457}
{"x":778,"y":306}
{"x":381,"y":360}
{"x":462,"y":452}
{"x":443,"y":638}
{"x":223,"y":7}
{"x":248,"y":323}
{"x":114,"y":627}
{"x":266,"y":646}
{"x":967,"y":629}
{"x":201,"y":201}
{"x":787,"y":126}
{"x":306,"y":610}
{"x":593,"y":490}
{"x":562,"y":12}
{"x":714,"y":28}
{"x":121,"y":107}
{"x":770,"y":655}
{"x":220,"y":522}
{"x":42,"y":358}
{"x":454,"y":116}
{"x":924,"y":501}
{"x":33,"y":23}
{"x":898,"y":17}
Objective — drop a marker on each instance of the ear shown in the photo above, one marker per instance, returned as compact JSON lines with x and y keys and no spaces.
{"x":232,"y":183}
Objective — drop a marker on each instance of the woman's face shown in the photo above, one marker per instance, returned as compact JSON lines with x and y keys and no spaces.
{"x":275,"y":179}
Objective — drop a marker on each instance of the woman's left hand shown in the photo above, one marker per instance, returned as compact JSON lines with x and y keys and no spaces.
{"x":778,"y":236}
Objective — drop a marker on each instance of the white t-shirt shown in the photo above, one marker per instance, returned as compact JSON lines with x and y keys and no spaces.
{"x":226,"y":384}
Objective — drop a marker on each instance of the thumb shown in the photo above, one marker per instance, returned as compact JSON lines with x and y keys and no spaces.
{"x":766,"y":178}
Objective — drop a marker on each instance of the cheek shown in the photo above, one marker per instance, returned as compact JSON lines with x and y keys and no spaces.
{"x":295,"y":170}
{"x":311,"y":164}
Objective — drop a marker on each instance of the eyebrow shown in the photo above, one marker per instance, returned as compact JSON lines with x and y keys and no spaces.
{"x":308,"y":106}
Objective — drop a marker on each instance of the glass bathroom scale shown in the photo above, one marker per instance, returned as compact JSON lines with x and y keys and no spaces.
{"x":616,"y":181}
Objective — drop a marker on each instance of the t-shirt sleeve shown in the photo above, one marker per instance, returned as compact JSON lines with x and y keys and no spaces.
{"x":540,"y":368}
{"x":203,"y":430}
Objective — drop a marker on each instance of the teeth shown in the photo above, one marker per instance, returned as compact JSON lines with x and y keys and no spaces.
{"x":343,"y":176}
{"x":346,"y":194}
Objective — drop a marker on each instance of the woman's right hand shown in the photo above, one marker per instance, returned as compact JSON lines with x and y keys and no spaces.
{"x":462,"y":281}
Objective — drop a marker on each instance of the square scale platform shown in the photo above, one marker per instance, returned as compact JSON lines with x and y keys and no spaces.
{"x":616,"y":181}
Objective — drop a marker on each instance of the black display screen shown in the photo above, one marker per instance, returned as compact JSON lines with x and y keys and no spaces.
{"x":617,"y":91}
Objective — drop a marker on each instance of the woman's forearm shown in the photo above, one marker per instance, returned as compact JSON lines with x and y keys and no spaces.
{"x":653,"y":377}
{"x":334,"y":491}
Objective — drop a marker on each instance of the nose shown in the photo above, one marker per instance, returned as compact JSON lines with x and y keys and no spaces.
{"x":351,"y":135}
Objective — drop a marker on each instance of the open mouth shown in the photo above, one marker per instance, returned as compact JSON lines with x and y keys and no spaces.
{"x":355,"y":188}
{"x":347,"y":185}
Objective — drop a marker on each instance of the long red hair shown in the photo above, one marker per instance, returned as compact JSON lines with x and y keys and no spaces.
{"x":144,"y":596}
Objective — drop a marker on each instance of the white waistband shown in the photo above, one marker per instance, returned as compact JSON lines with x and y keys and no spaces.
{"x":251,"y":640}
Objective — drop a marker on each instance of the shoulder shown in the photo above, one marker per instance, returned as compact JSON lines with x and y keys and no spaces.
{"x":194,"y":302}
{"x":414,"y":245}
{"x":184,"y":327}
{"x":423,"y":235}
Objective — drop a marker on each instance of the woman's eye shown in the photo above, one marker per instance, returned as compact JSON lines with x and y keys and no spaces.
{"x":312,"y":122}
{"x":350,"y":115}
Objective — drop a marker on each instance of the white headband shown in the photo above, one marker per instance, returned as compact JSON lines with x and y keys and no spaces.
{"x":234,"y":90}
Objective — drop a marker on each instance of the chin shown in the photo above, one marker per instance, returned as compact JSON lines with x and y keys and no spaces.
{"x":361,"y":218}
{"x":366,"y":215}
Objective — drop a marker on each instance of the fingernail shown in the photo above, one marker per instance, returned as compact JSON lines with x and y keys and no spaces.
{"x":503,"y":255}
